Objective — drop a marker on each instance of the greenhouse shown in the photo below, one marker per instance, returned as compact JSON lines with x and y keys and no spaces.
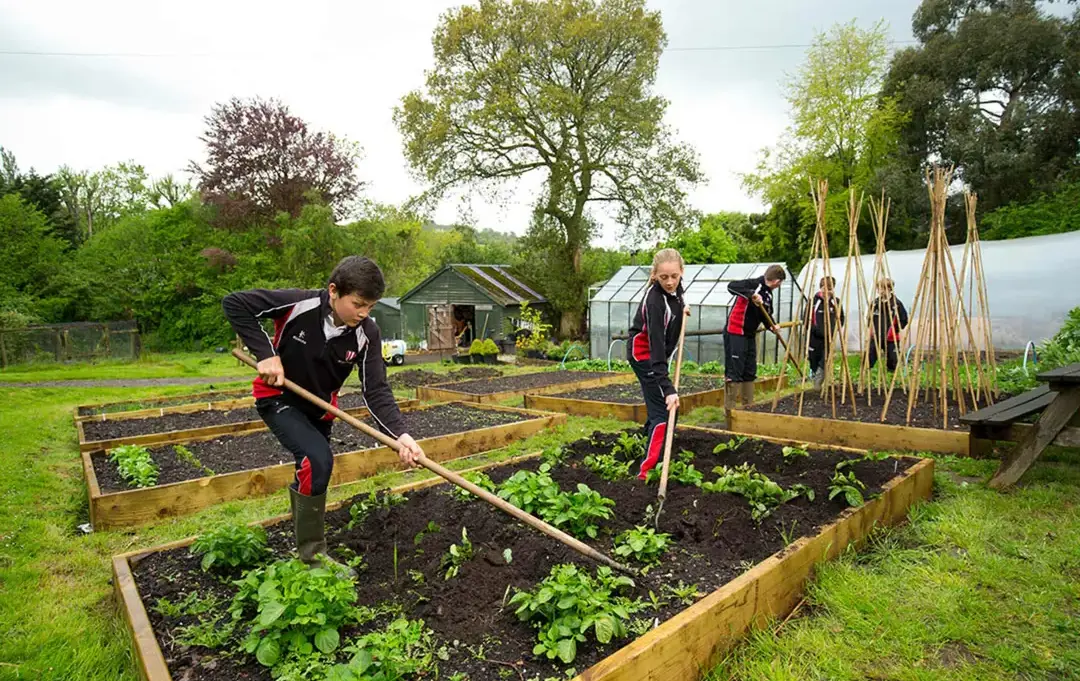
{"x":611,"y":309}
{"x":1027,"y":284}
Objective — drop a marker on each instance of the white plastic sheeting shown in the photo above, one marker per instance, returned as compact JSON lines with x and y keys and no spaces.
{"x":1031,"y":285}
{"x":611,"y":309}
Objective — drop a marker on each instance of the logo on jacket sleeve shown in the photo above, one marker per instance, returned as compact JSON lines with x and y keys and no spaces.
{"x":349,"y":355}
{"x":300,"y":338}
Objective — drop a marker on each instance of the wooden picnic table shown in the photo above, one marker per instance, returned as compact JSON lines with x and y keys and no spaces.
{"x":1059,"y":402}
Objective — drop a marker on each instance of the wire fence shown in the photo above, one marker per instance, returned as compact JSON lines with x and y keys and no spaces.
{"x":69,"y":342}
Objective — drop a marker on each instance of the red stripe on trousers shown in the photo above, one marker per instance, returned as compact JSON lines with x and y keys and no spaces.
{"x":303,"y":477}
{"x":738,"y":317}
{"x":656,"y":444}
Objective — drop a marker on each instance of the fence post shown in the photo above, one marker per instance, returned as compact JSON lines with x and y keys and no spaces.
{"x":105,"y":333}
{"x":57,"y":348}
{"x":3,"y":352}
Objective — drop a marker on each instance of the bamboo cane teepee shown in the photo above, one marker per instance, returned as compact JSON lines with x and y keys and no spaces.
{"x":940,"y":318}
{"x":871,"y":379}
{"x":973,"y":289}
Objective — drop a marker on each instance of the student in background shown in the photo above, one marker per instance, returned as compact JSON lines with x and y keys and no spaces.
{"x":823,"y":330}
{"x":888,"y":318}
{"x":740,"y":346}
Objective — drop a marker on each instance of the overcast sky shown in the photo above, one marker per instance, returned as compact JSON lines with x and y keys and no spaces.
{"x":144,"y":73}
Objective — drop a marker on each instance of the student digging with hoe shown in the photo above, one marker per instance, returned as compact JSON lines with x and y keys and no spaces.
{"x":740,"y":344}
{"x":319,"y":337}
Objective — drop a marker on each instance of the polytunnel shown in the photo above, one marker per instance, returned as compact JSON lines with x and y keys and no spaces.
{"x":1031,"y":284}
{"x":612,"y":308}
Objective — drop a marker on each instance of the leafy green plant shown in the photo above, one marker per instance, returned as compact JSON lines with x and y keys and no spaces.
{"x":711,"y":367}
{"x":508,"y":556}
{"x":360,"y":510}
{"x":431,"y":528}
{"x":404,"y":649}
{"x":489,"y":347}
{"x":629,"y":446}
{"x":478,"y":478}
{"x":530,"y":490}
{"x":792,"y":453}
{"x":733,"y":443}
{"x":607,"y":466}
{"x":644,"y":544}
{"x":577,"y":512}
{"x":231,"y":546}
{"x":683,"y":592}
{"x":536,"y":329}
{"x":187,"y":456}
{"x":569,"y":604}
{"x":476,"y":347}
{"x":297,"y":610}
{"x":135,"y":465}
{"x":847,"y":485}
{"x":761,"y":493}
{"x":679,"y":471}
{"x":456,"y":556}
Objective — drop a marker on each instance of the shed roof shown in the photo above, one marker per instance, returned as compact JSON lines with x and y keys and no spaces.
{"x":392,"y":303}
{"x":498,"y":282}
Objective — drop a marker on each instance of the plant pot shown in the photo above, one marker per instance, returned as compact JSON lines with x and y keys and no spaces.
{"x":489,"y":359}
{"x":462,"y":359}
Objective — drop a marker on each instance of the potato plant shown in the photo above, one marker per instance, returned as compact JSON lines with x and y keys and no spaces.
{"x":135,"y":465}
{"x":231,"y":546}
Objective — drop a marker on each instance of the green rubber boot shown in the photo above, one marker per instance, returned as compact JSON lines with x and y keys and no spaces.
{"x":747,"y":393}
{"x":309,"y":527}
{"x":731,"y":395}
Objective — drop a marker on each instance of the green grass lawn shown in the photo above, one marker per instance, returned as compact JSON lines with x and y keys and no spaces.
{"x":151,"y":365}
{"x":980,"y":585}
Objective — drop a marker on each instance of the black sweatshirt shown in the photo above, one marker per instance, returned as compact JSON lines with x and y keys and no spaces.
{"x":879,"y":314}
{"x":302,"y":323}
{"x":654,"y":333}
{"x":817,"y":315}
{"x":744,"y":317}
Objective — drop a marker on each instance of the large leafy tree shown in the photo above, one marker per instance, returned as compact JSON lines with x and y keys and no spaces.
{"x":560,"y":88}
{"x":841,"y":130}
{"x":712,"y":240}
{"x":994,"y":88}
{"x":30,"y":256}
{"x":261,"y":160}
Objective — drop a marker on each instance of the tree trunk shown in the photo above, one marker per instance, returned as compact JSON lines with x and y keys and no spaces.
{"x":570,"y":323}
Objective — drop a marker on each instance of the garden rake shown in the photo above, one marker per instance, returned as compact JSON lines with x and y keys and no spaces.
{"x":771,"y":323}
{"x":448,"y":475}
{"x":669,"y":434}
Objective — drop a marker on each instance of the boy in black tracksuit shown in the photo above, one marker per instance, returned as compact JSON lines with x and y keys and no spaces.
{"x":744,"y":318}
{"x":319,"y":336}
{"x":654,"y":334}
{"x":887,"y":318}
{"x":820,"y":331}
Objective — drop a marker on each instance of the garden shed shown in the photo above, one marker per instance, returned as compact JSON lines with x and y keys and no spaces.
{"x":463,"y":301}
{"x":611,"y":309}
{"x":387,"y":314}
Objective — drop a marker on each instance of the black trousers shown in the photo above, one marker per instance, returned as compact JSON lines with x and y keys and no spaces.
{"x":819,"y":350}
{"x":307,"y":438}
{"x":656,"y":419}
{"x":890,"y":354}
{"x":740,"y":358}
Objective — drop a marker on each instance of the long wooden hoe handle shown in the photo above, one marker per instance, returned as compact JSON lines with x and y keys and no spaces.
{"x":448,"y":475}
{"x":769,"y":319}
{"x":670,"y":432}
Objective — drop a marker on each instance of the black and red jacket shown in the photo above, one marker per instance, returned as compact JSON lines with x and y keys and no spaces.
{"x":654,"y":333}
{"x":817,"y":315}
{"x":880,"y":312}
{"x":302,"y":324}
{"x":744,"y":317}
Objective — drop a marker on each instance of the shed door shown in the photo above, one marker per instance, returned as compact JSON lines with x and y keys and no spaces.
{"x":440,"y":328}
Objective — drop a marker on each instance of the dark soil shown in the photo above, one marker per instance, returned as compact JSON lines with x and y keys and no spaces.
{"x":524,"y":381}
{"x":107,"y":430}
{"x":630,"y":393}
{"x":244,"y":452}
{"x":714,"y":540}
{"x":134,"y":405}
{"x":925,"y":414}
{"x":414,"y":378}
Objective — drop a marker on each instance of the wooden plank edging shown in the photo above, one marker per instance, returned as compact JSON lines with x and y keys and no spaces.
{"x":878,"y":436}
{"x":444,"y":391}
{"x":136,"y":507}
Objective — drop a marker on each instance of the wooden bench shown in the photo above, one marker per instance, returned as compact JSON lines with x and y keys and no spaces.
{"x":1059,"y":403}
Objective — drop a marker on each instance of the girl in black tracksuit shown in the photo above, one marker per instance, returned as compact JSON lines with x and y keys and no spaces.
{"x":654,"y":335}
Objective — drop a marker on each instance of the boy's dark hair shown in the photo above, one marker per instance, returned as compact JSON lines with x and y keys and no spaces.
{"x":360,"y":275}
{"x":830,"y":280}
{"x":776,"y":273}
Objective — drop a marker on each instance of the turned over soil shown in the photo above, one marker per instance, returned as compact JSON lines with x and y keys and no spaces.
{"x":715,"y":540}
{"x":134,"y":405}
{"x":244,"y":452}
{"x":108,"y":430}
{"x":524,"y":381}
{"x":923,"y":415}
{"x":630,"y":393}
{"x":414,"y":378}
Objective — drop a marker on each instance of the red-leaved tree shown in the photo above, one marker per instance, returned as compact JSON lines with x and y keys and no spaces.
{"x":261,"y":159}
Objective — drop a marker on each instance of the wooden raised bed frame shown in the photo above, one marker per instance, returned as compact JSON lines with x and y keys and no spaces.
{"x":209,"y":397}
{"x":444,"y":391}
{"x":189,"y":434}
{"x":634,"y":412}
{"x":140,"y":506}
{"x":683,"y":647}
